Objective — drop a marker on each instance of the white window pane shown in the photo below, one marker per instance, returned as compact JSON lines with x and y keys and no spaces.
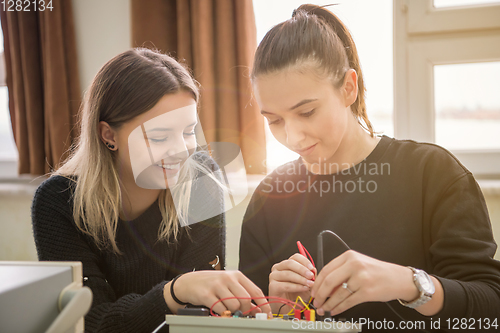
{"x":8,"y":148}
{"x":1,"y":39}
{"x":467,"y":104}
{"x":374,"y":49}
{"x":456,"y":3}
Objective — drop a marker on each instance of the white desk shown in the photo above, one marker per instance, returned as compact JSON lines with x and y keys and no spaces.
{"x":190,"y":324}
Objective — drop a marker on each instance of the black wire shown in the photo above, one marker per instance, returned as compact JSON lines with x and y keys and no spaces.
{"x":337,"y":236}
{"x":320,"y":250}
{"x":279,"y":310}
{"x":320,"y":247}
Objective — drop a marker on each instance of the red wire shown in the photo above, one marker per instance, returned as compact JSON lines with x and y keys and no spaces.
{"x":312,"y":261}
{"x":278,"y":300}
{"x":302,"y":249}
{"x":258,"y":306}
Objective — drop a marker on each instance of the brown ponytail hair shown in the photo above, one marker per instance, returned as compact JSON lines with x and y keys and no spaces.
{"x":314,"y":35}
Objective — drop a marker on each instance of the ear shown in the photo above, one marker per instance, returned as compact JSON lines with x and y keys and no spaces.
{"x":107,"y":134}
{"x":350,"y":87}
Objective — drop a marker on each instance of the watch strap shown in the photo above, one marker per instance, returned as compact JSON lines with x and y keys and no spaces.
{"x":422,"y":298}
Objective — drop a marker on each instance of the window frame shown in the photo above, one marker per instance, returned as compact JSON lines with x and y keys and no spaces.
{"x":425,"y":36}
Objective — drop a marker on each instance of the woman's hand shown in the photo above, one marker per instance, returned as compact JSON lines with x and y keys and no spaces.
{"x":368,"y":280}
{"x":291,"y":278}
{"x":207,"y":287}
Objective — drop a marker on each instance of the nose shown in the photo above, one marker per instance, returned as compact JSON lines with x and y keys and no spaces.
{"x":177,"y":148}
{"x":294,"y":134}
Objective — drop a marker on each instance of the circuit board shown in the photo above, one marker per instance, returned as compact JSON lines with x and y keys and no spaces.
{"x":189,"y":324}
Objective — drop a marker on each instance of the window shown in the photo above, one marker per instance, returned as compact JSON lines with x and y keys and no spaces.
{"x":8,"y":150}
{"x":374,"y":48}
{"x":456,"y":3}
{"x":467,"y":105}
{"x":446,"y":61}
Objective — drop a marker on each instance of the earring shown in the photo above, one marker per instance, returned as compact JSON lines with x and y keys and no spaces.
{"x":110,"y":146}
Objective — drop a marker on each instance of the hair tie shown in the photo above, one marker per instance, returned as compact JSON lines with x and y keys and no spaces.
{"x":172,"y":291}
{"x":294,"y":12}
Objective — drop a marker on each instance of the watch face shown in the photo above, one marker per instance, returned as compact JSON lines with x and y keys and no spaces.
{"x":425,"y":282}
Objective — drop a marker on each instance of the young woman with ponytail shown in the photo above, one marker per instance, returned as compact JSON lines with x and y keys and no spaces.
{"x":415,"y":225}
{"x":128,"y":236}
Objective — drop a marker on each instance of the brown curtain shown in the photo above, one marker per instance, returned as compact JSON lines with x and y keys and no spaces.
{"x":217,"y":40}
{"x":43,"y":83}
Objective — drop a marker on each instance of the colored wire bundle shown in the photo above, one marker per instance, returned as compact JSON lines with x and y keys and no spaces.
{"x":299,"y":303}
{"x":306,"y":306}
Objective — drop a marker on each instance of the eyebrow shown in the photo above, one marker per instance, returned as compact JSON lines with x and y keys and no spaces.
{"x":304,"y":101}
{"x":164,"y":129}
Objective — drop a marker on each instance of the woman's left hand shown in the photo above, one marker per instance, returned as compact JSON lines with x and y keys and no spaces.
{"x":368,"y":280}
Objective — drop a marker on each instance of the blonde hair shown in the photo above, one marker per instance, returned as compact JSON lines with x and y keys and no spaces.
{"x":126,"y":86}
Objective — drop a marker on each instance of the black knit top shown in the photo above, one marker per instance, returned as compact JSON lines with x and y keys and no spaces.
{"x":408,"y":203}
{"x":127,"y":288}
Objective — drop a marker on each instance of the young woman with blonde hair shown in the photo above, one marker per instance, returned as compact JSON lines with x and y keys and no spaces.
{"x":128,"y":236}
{"x":412,"y":220}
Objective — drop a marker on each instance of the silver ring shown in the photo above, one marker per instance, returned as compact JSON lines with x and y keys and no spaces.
{"x":345,"y":286}
{"x":215,"y":265}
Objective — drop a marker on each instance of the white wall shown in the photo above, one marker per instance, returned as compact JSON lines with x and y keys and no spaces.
{"x":102,"y":31}
{"x":16,"y":236}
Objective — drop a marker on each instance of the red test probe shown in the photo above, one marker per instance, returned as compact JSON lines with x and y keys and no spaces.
{"x":303,"y":251}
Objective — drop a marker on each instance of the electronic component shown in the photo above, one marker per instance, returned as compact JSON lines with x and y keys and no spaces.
{"x":238,"y":314}
{"x":261,"y":316}
{"x":307,"y":315}
{"x":184,"y":324}
{"x":227,"y":314}
{"x":193,"y":312}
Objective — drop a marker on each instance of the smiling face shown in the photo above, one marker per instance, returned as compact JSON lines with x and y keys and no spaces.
{"x":154,"y":145}
{"x":307,"y":113}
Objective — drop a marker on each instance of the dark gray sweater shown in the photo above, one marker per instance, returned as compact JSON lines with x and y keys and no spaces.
{"x":408,"y":203}
{"x":127,"y":288}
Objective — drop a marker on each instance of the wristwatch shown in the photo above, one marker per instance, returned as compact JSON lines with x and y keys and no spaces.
{"x":424,"y":285}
